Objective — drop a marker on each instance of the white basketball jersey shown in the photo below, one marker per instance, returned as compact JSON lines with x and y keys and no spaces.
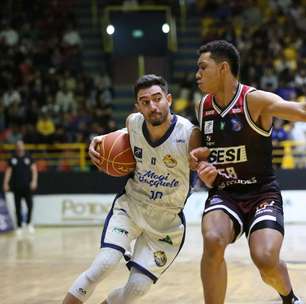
{"x":162,"y":174}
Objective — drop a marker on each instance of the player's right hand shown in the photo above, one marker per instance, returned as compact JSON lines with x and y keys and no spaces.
{"x":93,"y":150}
{"x":207,"y":173}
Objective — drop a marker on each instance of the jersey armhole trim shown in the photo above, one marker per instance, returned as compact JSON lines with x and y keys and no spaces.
{"x":248,"y":117}
{"x":200,"y":112}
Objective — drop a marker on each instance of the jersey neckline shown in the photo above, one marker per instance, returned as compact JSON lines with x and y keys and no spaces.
{"x":157,"y":143}
{"x":223,"y":112}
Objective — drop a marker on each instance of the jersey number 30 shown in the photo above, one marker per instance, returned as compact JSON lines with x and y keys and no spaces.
{"x":155,"y":195}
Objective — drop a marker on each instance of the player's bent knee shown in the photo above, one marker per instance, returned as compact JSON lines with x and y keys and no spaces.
{"x":214,"y":241}
{"x":136,"y":287}
{"x":106,"y":260}
{"x":136,"y":290}
{"x":265,"y":259}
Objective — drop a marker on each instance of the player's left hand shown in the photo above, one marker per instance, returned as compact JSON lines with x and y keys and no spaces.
{"x":196,"y":156}
{"x":207,"y":173}
{"x":93,"y":152}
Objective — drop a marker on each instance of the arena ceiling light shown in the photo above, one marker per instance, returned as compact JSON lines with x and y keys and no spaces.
{"x":166,"y":28}
{"x":110,"y":29}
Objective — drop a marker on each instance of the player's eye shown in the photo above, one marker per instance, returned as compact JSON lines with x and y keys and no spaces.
{"x":157,"y":99}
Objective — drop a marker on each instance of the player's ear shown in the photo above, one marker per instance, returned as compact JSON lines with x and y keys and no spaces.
{"x":225,"y":67}
{"x":169,"y":98}
{"x":137,"y":106}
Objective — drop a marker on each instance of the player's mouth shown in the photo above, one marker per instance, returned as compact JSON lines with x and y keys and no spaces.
{"x":155,"y":115}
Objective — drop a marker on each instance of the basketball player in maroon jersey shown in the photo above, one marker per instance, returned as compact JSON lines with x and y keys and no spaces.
{"x":244,"y":197}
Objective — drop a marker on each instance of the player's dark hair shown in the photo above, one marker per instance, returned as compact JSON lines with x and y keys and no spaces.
{"x":146,"y":81}
{"x":222,"y":50}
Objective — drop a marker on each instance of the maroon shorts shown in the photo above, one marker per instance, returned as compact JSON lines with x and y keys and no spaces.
{"x":264,"y":210}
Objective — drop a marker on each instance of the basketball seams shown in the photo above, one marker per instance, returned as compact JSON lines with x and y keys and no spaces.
{"x":110,"y":151}
{"x":118,"y":163}
{"x":102,"y":148}
{"x":110,"y":154}
{"x":122,"y":152}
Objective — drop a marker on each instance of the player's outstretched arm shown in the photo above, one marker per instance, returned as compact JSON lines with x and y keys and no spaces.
{"x":269,"y":104}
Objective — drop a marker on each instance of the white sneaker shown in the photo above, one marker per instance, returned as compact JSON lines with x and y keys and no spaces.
{"x":18,"y":232}
{"x":31,"y":228}
{"x":298,"y":301}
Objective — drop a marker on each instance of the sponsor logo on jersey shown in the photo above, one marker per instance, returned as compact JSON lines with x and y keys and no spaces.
{"x":236,"y":110}
{"x":120,"y":231}
{"x":169,"y":161}
{"x":208,"y":139}
{"x":180,"y":141}
{"x":160,"y":258}
{"x":249,"y":181}
{"x":167,"y":240}
{"x":156,"y":180}
{"x":82,"y":291}
{"x":27,"y":161}
{"x":222,"y":125}
{"x":210,"y":112}
{"x":236,"y":124}
{"x":209,"y":127}
{"x":216,"y":200}
{"x":265,"y":207}
{"x":228,"y":155}
{"x":137,"y":152}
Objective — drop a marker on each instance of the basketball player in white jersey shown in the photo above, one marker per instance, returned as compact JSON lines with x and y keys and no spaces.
{"x":149,"y":210}
{"x":244,"y":196}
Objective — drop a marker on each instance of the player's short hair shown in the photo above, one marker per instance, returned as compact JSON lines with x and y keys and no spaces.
{"x":222,"y":50}
{"x":147,"y":81}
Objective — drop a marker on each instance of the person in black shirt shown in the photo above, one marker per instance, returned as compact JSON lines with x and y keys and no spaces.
{"x":244,"y":196}
{"x":21,"y":178}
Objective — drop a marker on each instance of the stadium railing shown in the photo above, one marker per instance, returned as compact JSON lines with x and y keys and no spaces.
{"x":73,"y":156}
{"x":58,"y":157}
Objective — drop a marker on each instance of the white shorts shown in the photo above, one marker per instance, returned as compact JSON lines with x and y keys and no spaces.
{"x":159,"y":235}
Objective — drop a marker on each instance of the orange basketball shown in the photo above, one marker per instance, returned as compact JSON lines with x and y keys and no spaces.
{"x":117,"y":158}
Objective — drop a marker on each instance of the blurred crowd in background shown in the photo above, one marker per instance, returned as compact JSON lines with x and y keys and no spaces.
{"x":47,"y":97}
{"x":270,"y":35}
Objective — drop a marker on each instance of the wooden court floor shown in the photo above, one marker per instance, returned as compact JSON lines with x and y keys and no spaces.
{"x":39,"y":268}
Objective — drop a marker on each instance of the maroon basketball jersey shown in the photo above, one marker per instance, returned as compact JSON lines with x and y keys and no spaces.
{"x":239,"y":148}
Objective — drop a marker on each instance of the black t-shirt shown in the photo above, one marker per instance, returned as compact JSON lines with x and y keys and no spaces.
{"x":21,"y":172}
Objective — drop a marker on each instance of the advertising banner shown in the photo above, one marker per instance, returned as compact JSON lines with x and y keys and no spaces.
{"x":92,"y":209}
{"x":6,"y":223}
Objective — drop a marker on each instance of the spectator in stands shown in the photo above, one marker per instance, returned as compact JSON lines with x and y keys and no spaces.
{"x":71,"y":37}
{"x":10,"y":96}
{"x":298,"y":135}
{"x":65,"y":100}
{"x":45,"y":128}
{"x":279,"y":134}
{"x":12,"y":134}
{"x":269,"y":80}
{"x":21,"y":178}
{"x":2,"y":117}
{"x":8,"y":36}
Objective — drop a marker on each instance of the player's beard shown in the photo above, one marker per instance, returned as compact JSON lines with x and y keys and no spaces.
{"x":158,"y":120}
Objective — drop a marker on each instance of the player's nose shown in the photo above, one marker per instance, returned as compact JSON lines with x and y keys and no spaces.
{"x":198,"y":75}
{"x":153,"y":105}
